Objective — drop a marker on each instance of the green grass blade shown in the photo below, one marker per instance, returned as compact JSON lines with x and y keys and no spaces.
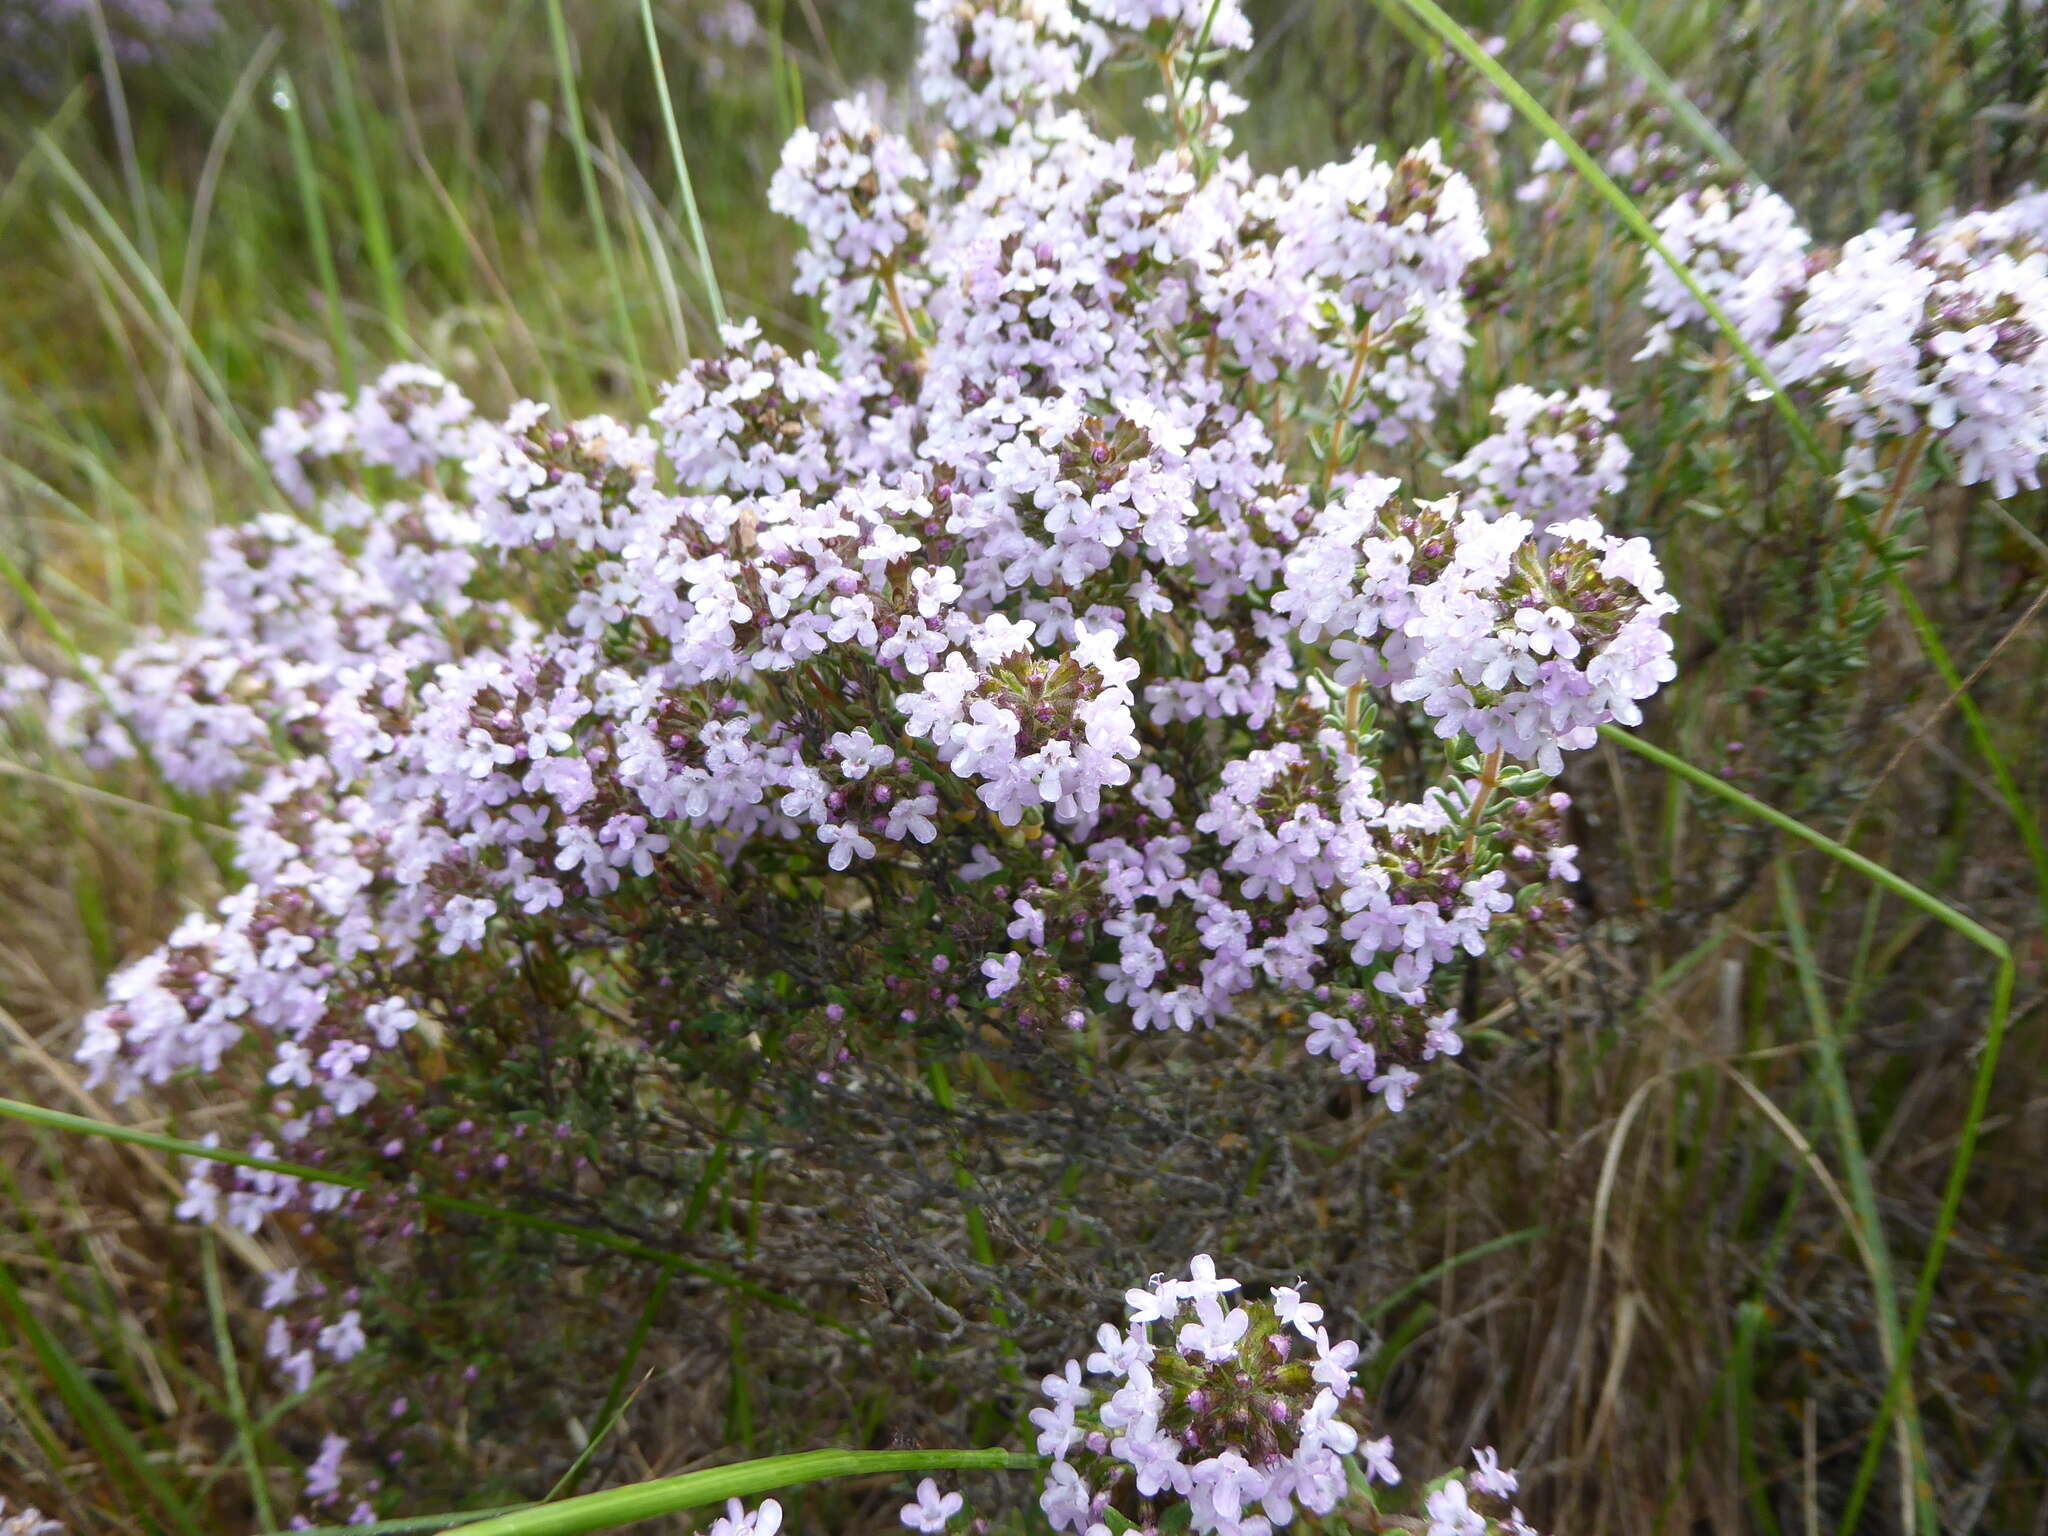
{"x":25,"y":590}
{"x":19,"y":1403}
{"x":201,"y":219}
{"x":152,"y":288}
{"x":641,"y":204}
{"x":286,"y":100}
{"x":1944,"y":1229}
{"x":57,"y":1119}
{"x":1898,"y":885}
{"x":713,"y":296}
{"x":124,"y":133}
{"x":1432,"y":16}
{"x":1749,"y":1321}
{"x":1195,"y":58}
{"x":572,"y":107}
{"x":1875,"y":1251}
{"x":1980,"y":1088}
{"x":1431,"y":1275}
{"x":369,"y":199}
{"x":977,"y":1221}
{"x":231,"y":1380}
{"x":615,"y":1507}
{"x":408,"y":1526}
{"x":15,"y":189}
{"x":615,"y":1398}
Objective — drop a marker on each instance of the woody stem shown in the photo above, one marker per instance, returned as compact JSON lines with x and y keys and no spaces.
{"x":1344,"y":407}
{"x":910,"y":338}
{"x":1902,"y":481}
{"x":1489,"y":780}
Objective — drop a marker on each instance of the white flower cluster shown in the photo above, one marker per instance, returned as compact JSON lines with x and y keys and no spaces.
{"x":993,"y":66}
{"x":858,"y":192}
{"x":1245,"y":1412}
{"x":989,"y":67}
{"x":1221,"y":21}
{"x":1524,"y":649}
{"x":1740,"y":243}
{"x":1900,"y":331}
{"x":1555,"y":456}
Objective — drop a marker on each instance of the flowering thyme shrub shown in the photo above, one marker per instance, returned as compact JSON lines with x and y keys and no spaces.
{"x":1046,"y":662}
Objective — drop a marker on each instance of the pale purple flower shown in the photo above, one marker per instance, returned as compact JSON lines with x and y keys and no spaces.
{"x":932,"y":1509}
{"x":763,"y":1520}
{"x":1002,"y":972}
{"x":1491,"y":1477}
{"x":1450,"y":1515}
{"x":323,"y":1473}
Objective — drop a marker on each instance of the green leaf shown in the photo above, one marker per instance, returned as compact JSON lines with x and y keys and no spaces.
{"x":615,"y":1507}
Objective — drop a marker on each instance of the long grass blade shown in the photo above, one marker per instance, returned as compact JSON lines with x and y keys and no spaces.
{"x":124,"y":131}
{"x":572,"y":107}
{"x":286,"y":100}
{"x":1436,"y":1272}
{"x":712,"y":295}
{"x":92,"y":1410}
{"x":615,"y":1398}
{"x":410,"y":1525}
{"x":231,"y":115}
{"x":1980,"y":1088}
{"x":152,"y":288}
{"x":369,"y":199}
{"x":977,"y":1222}
{"x":1856,"y":1168}
{"x":231,"y":1381}
{"x":615,"y":1507}
{"x":14,"y":191}
{"x":641,"y":204}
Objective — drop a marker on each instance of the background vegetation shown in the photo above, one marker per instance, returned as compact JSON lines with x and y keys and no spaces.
{"x":1649,"y":1243}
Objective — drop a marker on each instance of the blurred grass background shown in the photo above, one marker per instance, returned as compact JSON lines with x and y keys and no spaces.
{"x":1635,"y":1258}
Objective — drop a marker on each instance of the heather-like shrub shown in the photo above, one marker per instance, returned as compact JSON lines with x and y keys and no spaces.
{"x":1046,"y":663}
